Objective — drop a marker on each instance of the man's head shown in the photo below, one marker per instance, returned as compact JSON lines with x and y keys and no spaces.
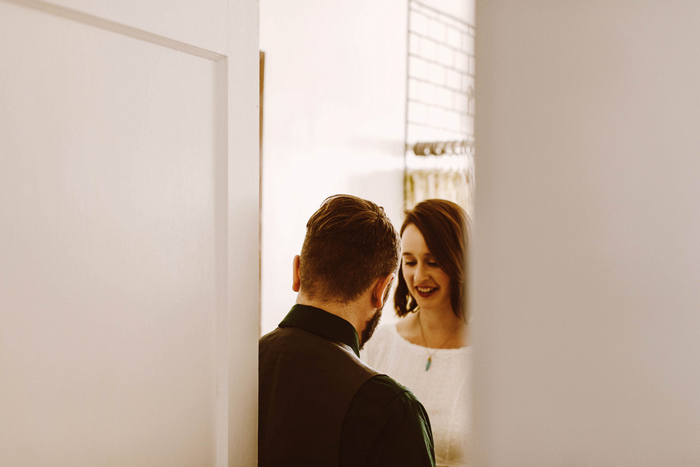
{"x":349,"y":244}
{"x":348,"y":260}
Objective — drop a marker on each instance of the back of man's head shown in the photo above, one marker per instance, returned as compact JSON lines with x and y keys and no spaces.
{"x":349,"y":243}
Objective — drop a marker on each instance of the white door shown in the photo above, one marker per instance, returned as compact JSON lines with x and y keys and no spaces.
{"x":128,"y":233}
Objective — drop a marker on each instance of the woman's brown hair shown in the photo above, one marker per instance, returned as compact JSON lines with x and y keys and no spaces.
{"x":445,"y":227}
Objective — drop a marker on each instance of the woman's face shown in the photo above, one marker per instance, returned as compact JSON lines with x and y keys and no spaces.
{"x":426,"y":280}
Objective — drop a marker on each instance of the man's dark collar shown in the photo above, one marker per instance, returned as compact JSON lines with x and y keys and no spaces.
{"x":324,"y":324}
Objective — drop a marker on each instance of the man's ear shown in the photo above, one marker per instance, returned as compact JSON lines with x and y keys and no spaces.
{"x":296,"y":281}
{"x":380,"y":289}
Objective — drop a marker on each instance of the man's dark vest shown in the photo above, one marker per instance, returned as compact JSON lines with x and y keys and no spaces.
{"x":306,"y":385}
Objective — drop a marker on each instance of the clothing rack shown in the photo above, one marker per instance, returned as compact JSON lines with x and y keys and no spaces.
{"x":440,"y":108}
{"x":439,"y":148}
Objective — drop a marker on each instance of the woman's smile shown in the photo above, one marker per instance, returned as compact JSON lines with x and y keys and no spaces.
{"x":426,"y":292}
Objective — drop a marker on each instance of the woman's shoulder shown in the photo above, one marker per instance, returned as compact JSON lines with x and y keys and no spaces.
{"x":383,"y":333}
{"x":382,"y":340}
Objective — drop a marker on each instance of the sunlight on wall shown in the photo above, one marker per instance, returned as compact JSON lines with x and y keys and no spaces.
{"x":334,"y":122}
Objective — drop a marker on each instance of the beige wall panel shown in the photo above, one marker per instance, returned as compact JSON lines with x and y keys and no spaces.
{"x":587,"y":251}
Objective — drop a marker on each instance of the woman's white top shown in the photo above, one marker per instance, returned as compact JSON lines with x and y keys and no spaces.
{"x":444,"y":390}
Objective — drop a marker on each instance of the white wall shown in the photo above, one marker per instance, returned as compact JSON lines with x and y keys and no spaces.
{"x":334,"y":110}
{"x":587,"y":251}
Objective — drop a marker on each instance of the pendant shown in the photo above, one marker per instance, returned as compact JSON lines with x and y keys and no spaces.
{"x":427,"y":365}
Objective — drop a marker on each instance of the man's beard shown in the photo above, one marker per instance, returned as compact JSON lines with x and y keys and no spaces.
{"x":370,"y":326}
{"x":373,"y":322}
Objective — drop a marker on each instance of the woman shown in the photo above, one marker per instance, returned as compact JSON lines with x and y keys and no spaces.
{"x":427,"y":350}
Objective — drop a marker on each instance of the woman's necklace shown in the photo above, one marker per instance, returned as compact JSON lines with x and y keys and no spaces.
{"x":430,"y":355}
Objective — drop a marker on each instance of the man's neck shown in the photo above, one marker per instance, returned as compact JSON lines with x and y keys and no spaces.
{"x":350,"y":312}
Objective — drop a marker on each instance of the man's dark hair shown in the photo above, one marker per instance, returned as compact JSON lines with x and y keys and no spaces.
{"x":446,"y":229}
{"x":350,"y":242}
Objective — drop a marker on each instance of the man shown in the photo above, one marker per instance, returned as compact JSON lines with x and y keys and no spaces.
{"x":319,"y":404}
